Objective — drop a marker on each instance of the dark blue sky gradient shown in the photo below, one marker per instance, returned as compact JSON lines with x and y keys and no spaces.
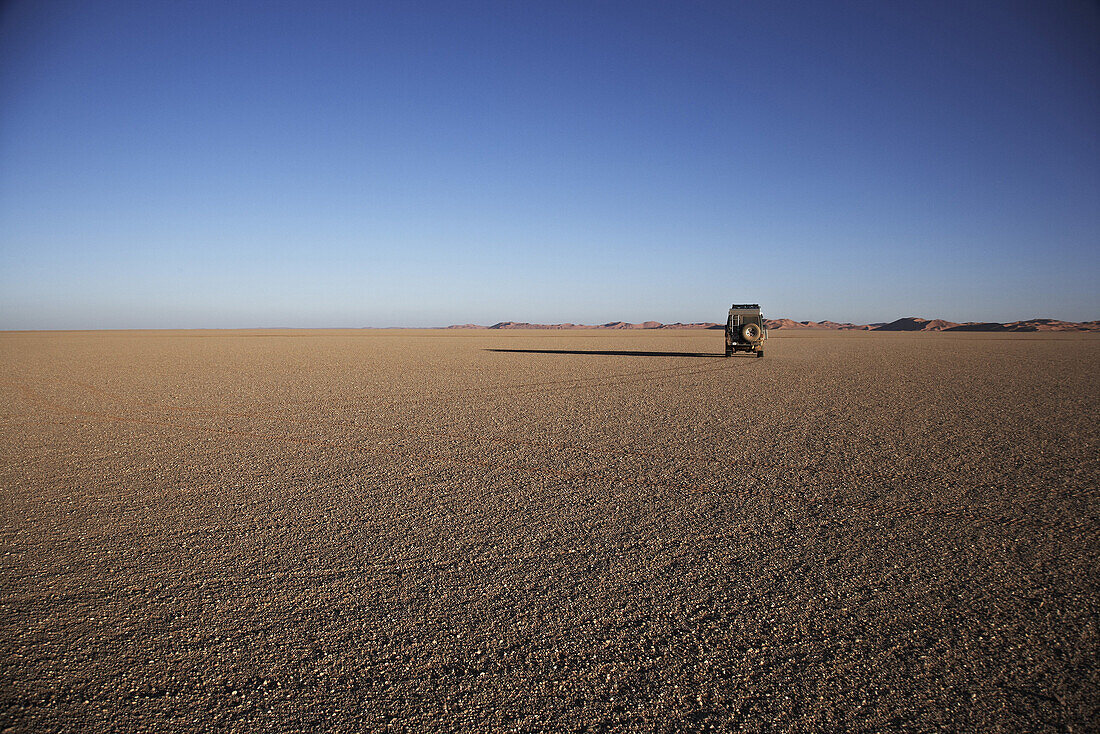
{"x":188,"y":164}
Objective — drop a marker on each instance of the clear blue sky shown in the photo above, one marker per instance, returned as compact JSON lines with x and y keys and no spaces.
{"x":231,"y":164}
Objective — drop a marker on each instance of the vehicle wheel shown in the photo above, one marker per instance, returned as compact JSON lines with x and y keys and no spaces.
{"x":751,"y":332}
{"x":760,"y":354}
{"x":729,"y":352}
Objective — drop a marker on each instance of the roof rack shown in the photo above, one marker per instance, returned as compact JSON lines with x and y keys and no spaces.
{"x":745,"y":305}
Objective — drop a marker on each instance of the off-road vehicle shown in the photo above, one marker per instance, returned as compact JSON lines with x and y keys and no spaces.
{"x":745,"y":330}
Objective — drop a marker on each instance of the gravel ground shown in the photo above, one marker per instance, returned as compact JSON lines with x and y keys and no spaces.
{"x":367,"y":530}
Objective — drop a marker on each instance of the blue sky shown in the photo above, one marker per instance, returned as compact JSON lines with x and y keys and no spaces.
{"x":223,"y":164}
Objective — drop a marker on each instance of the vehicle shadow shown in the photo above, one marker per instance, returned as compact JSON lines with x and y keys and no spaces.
{"x":610,"y":353}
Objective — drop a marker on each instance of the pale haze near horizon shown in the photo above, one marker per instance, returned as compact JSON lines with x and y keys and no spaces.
{"x":338,"y":165}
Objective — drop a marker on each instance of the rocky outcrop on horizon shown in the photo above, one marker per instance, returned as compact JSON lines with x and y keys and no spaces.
{"x":914,"y":323}
{"x":835,"y":326}
{"x":908,"y":323}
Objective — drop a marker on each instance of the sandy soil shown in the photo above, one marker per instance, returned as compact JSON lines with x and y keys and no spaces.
{"x":539,"y":530}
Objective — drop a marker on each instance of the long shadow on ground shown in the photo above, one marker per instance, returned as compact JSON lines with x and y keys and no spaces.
{"x":608,"y":353}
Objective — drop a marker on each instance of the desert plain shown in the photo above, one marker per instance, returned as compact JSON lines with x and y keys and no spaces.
{"x":370,"y":530}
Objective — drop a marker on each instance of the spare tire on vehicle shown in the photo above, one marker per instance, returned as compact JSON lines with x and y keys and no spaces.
{"x":751,"y":332}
